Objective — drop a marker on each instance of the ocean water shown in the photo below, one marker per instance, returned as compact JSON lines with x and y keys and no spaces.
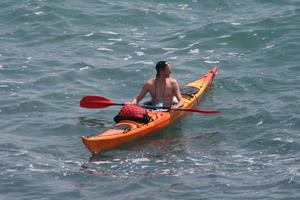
{"x":52,"y":53}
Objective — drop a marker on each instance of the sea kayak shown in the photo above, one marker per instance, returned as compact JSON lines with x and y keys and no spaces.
{"x":126,"y":130}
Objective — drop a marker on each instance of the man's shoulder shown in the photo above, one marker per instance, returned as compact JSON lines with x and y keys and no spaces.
{"x":173,"y":80}
{"x":150,"y":81}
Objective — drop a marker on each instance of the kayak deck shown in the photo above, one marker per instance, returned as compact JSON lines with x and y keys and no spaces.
{"x":127,"y":130}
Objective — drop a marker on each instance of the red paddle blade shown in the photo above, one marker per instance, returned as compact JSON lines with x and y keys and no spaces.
{"x":200,"y":111}
{"x":95,"y":102}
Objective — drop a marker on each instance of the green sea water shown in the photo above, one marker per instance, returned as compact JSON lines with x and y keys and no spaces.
{"x":52,"y":53}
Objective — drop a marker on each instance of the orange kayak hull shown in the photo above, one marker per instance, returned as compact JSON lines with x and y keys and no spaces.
{"x":126,"y":131}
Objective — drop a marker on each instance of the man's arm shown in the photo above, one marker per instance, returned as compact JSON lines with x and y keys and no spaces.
{"x":141,"y":95}
{"x":177,"y":95}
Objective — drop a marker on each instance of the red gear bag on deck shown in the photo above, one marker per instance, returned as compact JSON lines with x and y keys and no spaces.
{"x":134,"y":113}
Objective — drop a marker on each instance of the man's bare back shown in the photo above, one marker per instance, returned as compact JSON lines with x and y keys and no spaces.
{"x":163,"y":88}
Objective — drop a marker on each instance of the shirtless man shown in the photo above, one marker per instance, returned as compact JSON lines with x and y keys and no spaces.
{"x":162,"y":89}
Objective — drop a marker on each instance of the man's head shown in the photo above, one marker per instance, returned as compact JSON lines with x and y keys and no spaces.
{"x":163,"y":68}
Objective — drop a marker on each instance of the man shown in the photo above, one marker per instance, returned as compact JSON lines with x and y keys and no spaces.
{"x":162,"y":89}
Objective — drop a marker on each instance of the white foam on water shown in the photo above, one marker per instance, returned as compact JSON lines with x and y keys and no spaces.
{"x":37,"y":170}
{"x":166,"y":171}
{"x":138,"y":34}
{"x":269,"y":46}
{"x":28,"y":59}
{"x":11,"y":81}
{"x":133,"y":44}
{"x":235,"y":23}
{"x":84,"y":68}
{"x":145,"y":63}
{"x":139,"y":53}
{"x":181,"y":37}
{"x":183,"y":6}
{"x":259,"y":123}
{"x":194,"y":51}
{"x":104,"y":49}
{"x":89,"y":34}
{"x":102,"y":162}
{"x":169,"y":52}
{"x":109,"y":32}
{"x":211,"y":62}
{"x":237,"y":156}
{"x":139,"y":160}
{"x":115,"y":39}
{"x":160,"y":161}
{"x":128,"y":57}
{"x":39,"y":13}
{"x":134,"y":29}
{"x":170,"y":49}
{"x":193,"y":44}
{"x":224,"y":36}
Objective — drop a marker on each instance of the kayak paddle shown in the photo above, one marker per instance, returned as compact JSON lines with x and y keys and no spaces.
{"x":102,"y":102}
{"x":97,"y":102}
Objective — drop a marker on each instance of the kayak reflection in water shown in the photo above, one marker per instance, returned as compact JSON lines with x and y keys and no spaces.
{"x":163,"y":89}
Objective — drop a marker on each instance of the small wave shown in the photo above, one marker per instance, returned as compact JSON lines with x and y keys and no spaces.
{"x":128,"y":57}
{"x":183,"y":6}
{"x":115,"y":39}
{"x":139,"y":160}
{"x":109,"y":32}
{"x":84,"y":68}
{"x":170,"y":49}
{"x":133,"y":44}
{"x":259,"y":123}
{"x":145,"y":62}
{"x":194,"y":51}
{"x":139,"y":53}
{"x":269,"y":46}
{"x":104,"y":49}
{"x":102,"y":162}
{"x":235,"y":23}
{"x":224,"y":36}
{"x":193,"y":44}
{"x":181,"y":37}
{"x":39,"y":13}
{"x":211,"y":62}
{"x":11,"y":81}
{"x":169,"y":52}
{"x":89,"y":34}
